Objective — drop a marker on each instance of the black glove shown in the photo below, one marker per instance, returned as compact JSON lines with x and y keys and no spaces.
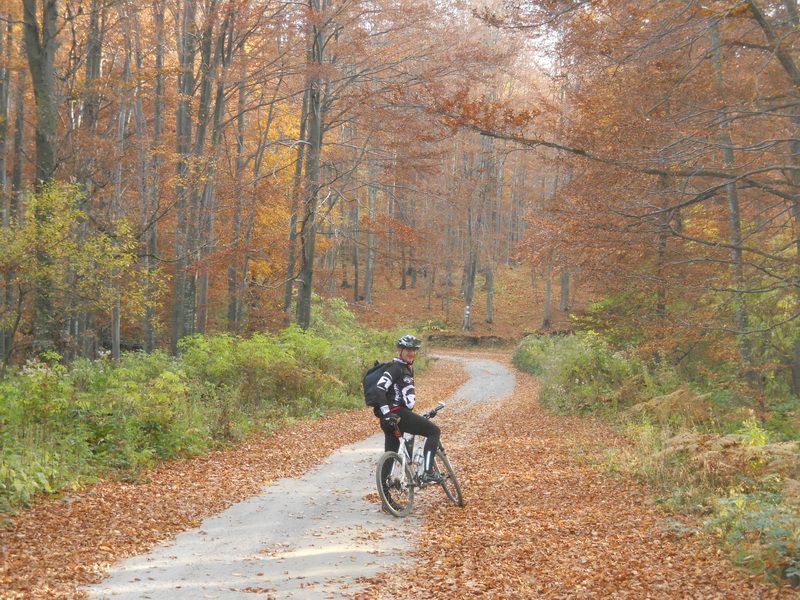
{"x":391,"y":420}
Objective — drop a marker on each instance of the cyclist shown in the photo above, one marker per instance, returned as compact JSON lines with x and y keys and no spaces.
{"x":394,"y":397}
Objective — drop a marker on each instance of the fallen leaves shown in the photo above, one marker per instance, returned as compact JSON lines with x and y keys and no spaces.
{"x":57,"y":545}
{"x":541,"y":524}
{"x":372,"y":498}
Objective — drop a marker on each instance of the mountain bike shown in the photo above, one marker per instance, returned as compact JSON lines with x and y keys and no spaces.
{"x":398,"y":474}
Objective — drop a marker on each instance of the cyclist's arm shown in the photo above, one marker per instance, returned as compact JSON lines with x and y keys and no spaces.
{"x":381,"y":389}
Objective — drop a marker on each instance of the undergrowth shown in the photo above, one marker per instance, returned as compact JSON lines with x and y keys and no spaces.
{"x":727,"y":460}
{"x":63,"y":426}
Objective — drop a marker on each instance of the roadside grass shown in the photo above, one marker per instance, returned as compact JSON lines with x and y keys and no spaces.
{"x":62,"y":426}
{"x":729,"y":462}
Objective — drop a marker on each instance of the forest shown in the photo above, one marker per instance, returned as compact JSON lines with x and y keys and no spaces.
{"x":172,"y":168}
{"x":194,"y":191}
{"x":181,"y":168}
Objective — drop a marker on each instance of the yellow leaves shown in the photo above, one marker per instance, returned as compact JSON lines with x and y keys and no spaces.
{"x":56,"y":244}
{"x":271,"y":225}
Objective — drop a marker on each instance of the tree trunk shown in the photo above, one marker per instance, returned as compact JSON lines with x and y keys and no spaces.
{"x":195,"y":213}
{"x":489,"y":274}
{"x":19,"y":129}
{"x":470,"y":270}
{"x":514,"y":213}
{"x":223,"y":54}
{"x":661,"y":260}
{"x":234,"y":299}
{"x":154,"y":188}
{"x":372,"y":200}
{"x":794,"y":175}
{"x":563,"y":304}
{"x":5,"y":82}
{"x":5,"y":197}
{"x":734,"y":219}
{"x":308,"y":226}
{"x":90,"y":107}
{"x":355,"y":231}
{"x":547,"y":318}
{"x":475,"y":233}
{"x":448,"y":288}
{"x":187,"y":46}
{"x":116,"y":203}
{"x":94,"y":55}
{"x":390,"y":210}
{"x":296,"y":189}
{"x":431,"y":284}
{"x":40,"y":48}
{"x":6,"y":358}
{"x":206,"y":236}
{"x":403,"y":269}
{"x":16,"y":207}
{"x":248,"y":222}
{"x":412,"y":267}
{"x":661,"y":289}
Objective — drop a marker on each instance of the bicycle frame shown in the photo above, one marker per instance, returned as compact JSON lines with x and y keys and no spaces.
{"x":402,"y":451}
{"x":407,"y":480}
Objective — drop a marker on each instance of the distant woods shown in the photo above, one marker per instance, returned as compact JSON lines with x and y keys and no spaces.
{"x":173,"y":167}
{"x":678,"y":195}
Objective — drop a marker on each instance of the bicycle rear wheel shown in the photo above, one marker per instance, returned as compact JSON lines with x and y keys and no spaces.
{"x":452,"y":488}
{"x":395,"y":487}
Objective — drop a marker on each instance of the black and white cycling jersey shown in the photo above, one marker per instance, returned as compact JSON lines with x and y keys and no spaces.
{"x":396,"y":386}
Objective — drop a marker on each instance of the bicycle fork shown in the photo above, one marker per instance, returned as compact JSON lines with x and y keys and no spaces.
{"x":399,"y":471}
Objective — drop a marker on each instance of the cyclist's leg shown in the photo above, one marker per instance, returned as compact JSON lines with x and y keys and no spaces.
{"x":413,"y":423}
{"x":390,"y":441}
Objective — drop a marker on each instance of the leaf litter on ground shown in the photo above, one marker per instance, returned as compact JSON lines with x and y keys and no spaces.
{"x":540,"y":523}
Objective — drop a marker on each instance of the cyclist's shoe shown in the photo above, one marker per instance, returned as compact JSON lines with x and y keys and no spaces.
{"x":431,"y":477}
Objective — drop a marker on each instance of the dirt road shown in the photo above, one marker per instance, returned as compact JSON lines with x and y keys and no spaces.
{"x":314,"y":536}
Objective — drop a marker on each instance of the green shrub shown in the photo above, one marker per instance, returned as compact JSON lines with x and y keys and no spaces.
{"x":580,"y":373}
{"x":210,"y":359}
{"x":763,"y":532}
{"x":63,"y":426}
{"x":532,"y":351}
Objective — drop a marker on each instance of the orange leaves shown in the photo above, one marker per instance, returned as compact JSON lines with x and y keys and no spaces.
{"x":459,"y":109}
{"x":542,"y":522}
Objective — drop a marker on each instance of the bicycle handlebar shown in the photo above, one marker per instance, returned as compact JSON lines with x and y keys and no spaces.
{"x":434,"y":411}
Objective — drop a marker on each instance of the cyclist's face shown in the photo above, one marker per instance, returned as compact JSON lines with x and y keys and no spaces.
{"x":408,"y":354}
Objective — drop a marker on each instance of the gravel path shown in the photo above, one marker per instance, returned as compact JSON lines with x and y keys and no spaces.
{"x":314,"y":536}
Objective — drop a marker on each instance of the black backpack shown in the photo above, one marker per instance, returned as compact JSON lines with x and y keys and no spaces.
{"x":371,"y":377}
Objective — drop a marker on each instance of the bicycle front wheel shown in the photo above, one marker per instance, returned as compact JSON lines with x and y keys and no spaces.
{"x":395,"y":484}
{"x":452,"y":488}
